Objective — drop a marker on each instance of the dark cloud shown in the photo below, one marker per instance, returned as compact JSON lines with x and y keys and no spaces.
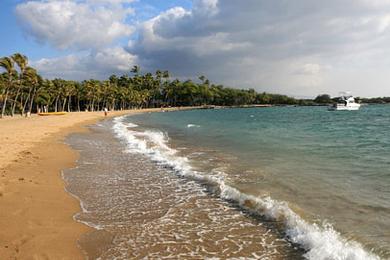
{"x":263,"y":44}
{"x":300,"y":47}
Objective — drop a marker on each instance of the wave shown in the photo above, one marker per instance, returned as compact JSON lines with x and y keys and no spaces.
{"x":320,"y":242}
{"x":84,"y":209}
{"x":192,"y":125}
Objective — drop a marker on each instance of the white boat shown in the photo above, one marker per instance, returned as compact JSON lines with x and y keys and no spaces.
{"x":346,"y":102}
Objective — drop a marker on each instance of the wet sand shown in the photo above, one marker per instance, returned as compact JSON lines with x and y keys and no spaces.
{"x":36,"y":213}
{"x":144,"y":210}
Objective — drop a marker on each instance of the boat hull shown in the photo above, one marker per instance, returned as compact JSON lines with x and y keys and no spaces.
{"x":345,"y":108}
{"x":52,"y":114}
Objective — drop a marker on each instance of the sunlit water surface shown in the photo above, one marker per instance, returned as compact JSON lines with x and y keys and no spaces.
{"x":269,"y":183}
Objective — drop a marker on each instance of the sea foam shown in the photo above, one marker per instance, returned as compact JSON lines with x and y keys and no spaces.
{"x":192,"y":125}
{"x":320,"y":242}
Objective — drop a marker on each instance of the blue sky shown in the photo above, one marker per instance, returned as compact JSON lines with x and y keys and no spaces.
{"x":16,"y":40}
{"x":13,"y":39}
{"x":299,"y":48}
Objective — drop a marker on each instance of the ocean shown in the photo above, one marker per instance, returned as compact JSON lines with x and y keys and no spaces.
{"x":260,"y":183}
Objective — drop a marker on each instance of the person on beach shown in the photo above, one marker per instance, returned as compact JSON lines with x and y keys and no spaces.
{"x":105,"y":111}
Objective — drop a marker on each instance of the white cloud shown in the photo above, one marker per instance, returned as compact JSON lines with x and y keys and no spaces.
{"x":285,"y":46}
{"x":79,"y":25}
{"x":300,"y":47}
{"x":108,"y":1}
{"x":206,"y":7}
{"x":309,"y":69}
{"x":99,"y":65}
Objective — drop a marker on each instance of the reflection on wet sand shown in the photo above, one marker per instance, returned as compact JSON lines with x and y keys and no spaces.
{"x":141,"y":209}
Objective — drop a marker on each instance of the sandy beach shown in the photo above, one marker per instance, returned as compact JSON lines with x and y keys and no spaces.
{"x":36,"y":216}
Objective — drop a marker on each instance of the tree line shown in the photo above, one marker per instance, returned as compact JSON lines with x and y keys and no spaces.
{"x":23,"y":90}
{"x":325,"y":99}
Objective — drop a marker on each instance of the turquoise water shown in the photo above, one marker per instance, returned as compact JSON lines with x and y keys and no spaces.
{"x":332,"y":168}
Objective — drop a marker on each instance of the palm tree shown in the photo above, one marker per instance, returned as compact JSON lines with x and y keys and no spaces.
{"x":79,"y":92}
{"x":49,"y":91}
{"x":43,"y":96}
{"x":58,"y":85}
{"x":166,"y":75}
{"x":92,"y":89}
{"x":136,"y":69}
{"x":24,"y":87}
{"x":30,"y":77}
{"x":7,"y":64}
{"x":21,"y":61}
{"x":37,"y":83}
{"x":68,"y":91}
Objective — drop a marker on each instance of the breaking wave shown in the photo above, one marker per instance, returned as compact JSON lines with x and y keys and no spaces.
{"x":192,"y":125}
{"x":320,"y":242}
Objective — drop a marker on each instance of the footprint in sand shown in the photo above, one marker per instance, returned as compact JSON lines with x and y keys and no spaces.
{"x":2,"y":190}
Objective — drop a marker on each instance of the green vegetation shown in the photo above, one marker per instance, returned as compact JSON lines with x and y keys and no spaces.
{"x":376,"y":100}
{"x":323,"y":99}
{"x":23,"y":90}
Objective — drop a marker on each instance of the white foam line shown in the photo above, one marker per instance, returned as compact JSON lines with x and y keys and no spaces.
{"x":82,"y":205}
{"x":320,"y":242}
{"x":192,"y":125}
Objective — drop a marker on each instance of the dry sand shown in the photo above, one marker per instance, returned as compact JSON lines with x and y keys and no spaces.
{"x":36,"y":213}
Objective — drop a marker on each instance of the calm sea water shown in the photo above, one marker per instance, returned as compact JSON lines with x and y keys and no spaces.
{"x":139,"y":206}
{"x":325,"y":176}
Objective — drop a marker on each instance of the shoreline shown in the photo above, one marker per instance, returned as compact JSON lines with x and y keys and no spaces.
{"x":36,"y":210}
{"x":31,"y":216}
{"x":143,"y":210}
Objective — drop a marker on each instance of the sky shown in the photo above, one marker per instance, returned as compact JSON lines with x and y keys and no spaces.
{"x":300,"y":48}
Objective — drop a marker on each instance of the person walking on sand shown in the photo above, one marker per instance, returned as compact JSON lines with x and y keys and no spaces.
{"x":105,"y":111}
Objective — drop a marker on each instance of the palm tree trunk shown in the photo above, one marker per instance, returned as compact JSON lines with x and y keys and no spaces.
{"x":78,"y":103}
{"x":32,"y":100}
{"x":93,"y":105}
{"x":69,"y":101}
{"x":25,"y":103}
{"x":15,"y":102}
{"x":63,"y":105}
{"x":4,"y":103}
{"x":21,"y":104}
{"x":56,"y":104}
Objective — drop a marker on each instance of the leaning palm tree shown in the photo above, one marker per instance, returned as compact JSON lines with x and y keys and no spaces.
{"x":35,"y":84}
{"x":8,"y":65}
{"x":30,"y":80}
{"x":3,"y":83}
{"x":136,"y":69}
{"x":68,"y":91}
{"x":43,"y":98}
{"x":58,"y":85}
{"x":22,"y":62}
